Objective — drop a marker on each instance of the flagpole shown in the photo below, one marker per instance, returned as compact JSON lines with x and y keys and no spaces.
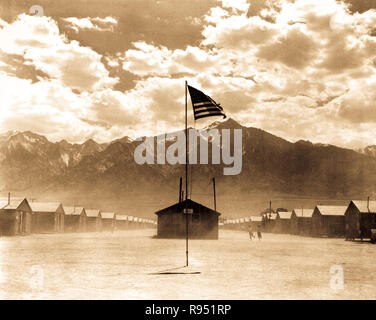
{"x":186,"y":175}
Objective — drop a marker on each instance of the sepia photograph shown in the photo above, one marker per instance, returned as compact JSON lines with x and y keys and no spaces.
{"x":187,"y":150}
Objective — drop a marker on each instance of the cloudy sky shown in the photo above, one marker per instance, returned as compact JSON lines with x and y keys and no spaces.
{"x":79,"y":69}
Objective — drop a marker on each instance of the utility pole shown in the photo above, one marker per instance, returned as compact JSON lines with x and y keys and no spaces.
{"x":180,"y":191}
{"x":186,"y":174}
{"x":215,"y":199}
{"x":270,"y":209}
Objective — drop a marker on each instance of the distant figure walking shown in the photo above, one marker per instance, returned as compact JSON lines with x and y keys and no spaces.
{"x":259,"y":235}
{"x":251,"y":235}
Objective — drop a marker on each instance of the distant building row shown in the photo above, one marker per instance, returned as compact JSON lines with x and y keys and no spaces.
{"x":19,"y":216}
{"x":357,"y":220}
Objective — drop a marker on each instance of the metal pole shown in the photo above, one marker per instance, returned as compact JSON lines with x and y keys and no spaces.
{"x":270,"y":209}
{"x":180,"y":186}
{"x":215,"y":199}
{"x":186,"y":175}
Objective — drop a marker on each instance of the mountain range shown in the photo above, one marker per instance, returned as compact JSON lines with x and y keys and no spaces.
{"x":106,"y":175}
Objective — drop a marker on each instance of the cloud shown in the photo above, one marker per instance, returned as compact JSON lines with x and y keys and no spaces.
{"x":360,"y":5}
{"x":48,"y":107}
{"x":357,"y":106}
{"x":314,"y":56}
{"x":149,"y":60}
{"x":117,"y":108}
{"x":300,"y":69}
{"x":96,"y":24}
{"x":38,"y":40}
{"x":238,"y":32}
{"x":323,"y":34}
{"x":45,"y":107}
{"x":237,"y":5}
{"x":17,"y":65}
{"x":294,"y":49}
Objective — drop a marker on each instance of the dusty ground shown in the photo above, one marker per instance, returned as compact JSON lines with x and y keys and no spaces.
{"x":121,"y":266}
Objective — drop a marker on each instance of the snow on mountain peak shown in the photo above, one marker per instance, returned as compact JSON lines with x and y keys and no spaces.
{"x":228,"y":123}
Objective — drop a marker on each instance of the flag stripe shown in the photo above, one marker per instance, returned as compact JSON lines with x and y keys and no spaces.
{"x":210,"y":115}
{"x":203,"y":104}
{"x":206,"y":109}
{"x":200,"y":103}
{"x":207,"y":105}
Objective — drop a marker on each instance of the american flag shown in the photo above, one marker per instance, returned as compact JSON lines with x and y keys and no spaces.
{"x":203,"y":105}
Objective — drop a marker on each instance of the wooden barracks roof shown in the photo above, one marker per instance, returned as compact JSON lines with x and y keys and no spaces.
{"x":14,"y":203}
{"x":363,"y":206}
{"x":256,"y":218}
{"x":121,"y":217}
{"x":93,"y":213}
{"x":305,"y":213}
{"x":332,"y":210}
{"x":73,"y":211}
{"x":179,"y":206}
{"x":108,"y":215}
{"x":285,"y":215}
{"x":44,"y":206}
